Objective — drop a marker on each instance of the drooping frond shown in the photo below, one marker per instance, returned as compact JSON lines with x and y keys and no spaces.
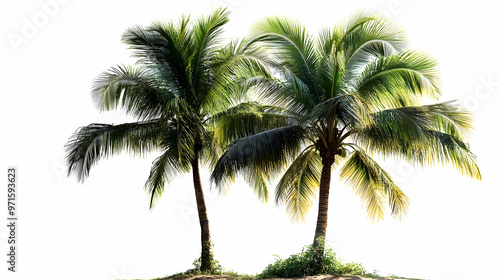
{"x":374,"y":186}
{"x":93,"y":142}
{"x":134,"y":89}
{"x":163,"y":170}
{"x":299,"y":185}
{"x":449,"y":118}
{"x":447,"y":149}
{"x":394,"y":81}
{"x":423,"y":135}
{"x":244,"y":120}
{"x":265,"y":153}
{"x":259,"y":183}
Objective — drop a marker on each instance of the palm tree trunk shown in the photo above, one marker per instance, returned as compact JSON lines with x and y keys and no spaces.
{"x":324,"y":192}
{"x":206,"y":250}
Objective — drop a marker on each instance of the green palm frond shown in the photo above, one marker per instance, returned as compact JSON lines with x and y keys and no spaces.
{"x":163,"y":170}
{"x":265,"y":152}
{"x":395,"y":130}
{"x":207,"y":34}
{"x":449,"y":118}
{"x":244,"y":120}
{"x":157,"y":49}
{"x":299,"y":185}
{"x":414,"y":133}
{"x":232,"y":67}
{"x":134,"y":89}
{"x":293,"y":47}
{"x":258,"y":181}
{"x":349,"y":110}
{"x":394,"y":81}
{"x":366,"y":54}
{"x":446,"y":149}
{"x":93,"y":142}
{"x":364,"y":28}
{"x":374,"y":186}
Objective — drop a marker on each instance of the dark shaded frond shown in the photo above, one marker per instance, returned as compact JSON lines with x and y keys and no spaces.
{"x":246,"y":119}
{"x":265,"y":152}
{"x":158,"y":48}
{"x":350,"y":111}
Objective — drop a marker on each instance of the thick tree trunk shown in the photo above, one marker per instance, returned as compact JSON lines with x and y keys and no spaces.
{"x":206,"y":250}
{"x":324,"y":192}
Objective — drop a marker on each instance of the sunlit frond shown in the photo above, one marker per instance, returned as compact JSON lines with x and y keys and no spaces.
{"x":365,"y":27}
{"x":367,"y":53}
{"x":394,"y":81}
{"x":418,"y":135}
{"x":374,"y":186}
{"x":293,"y":47}
{"x":233,"y":66}
{"x":299,"y":185}
{"x":447,"y":149}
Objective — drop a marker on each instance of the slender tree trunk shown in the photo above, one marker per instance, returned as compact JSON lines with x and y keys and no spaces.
{"x":206,"y":250}
{"x":324,"y":192}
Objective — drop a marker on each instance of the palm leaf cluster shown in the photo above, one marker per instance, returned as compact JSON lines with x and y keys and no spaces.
{"x":183,"y":81}
{"x":283,"y":106}
{"x":350,"y":92}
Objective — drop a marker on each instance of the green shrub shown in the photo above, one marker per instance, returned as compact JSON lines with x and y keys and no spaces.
{"x":216,"y":267}
{"x":312,"y":260}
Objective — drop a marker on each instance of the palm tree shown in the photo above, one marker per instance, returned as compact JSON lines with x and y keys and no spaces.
{"x":352,"y":91}
{"x":183,"y":81}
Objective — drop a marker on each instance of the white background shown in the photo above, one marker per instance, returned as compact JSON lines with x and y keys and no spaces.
{"x":103,"y":229}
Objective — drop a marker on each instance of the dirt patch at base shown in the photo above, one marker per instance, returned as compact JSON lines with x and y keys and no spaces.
{"x":319,"y":277}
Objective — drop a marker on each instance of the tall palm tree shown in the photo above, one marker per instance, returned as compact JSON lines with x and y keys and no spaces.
{"x":350,"y":92}
{"x":183,"y":81}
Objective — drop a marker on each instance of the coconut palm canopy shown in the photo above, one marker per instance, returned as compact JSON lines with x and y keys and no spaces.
{"x":184,"y":80}
{"x":352,"y":91}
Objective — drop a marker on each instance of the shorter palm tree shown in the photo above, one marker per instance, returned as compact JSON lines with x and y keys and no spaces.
{"x":184,"y":81}
{"x":352,"y":91}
